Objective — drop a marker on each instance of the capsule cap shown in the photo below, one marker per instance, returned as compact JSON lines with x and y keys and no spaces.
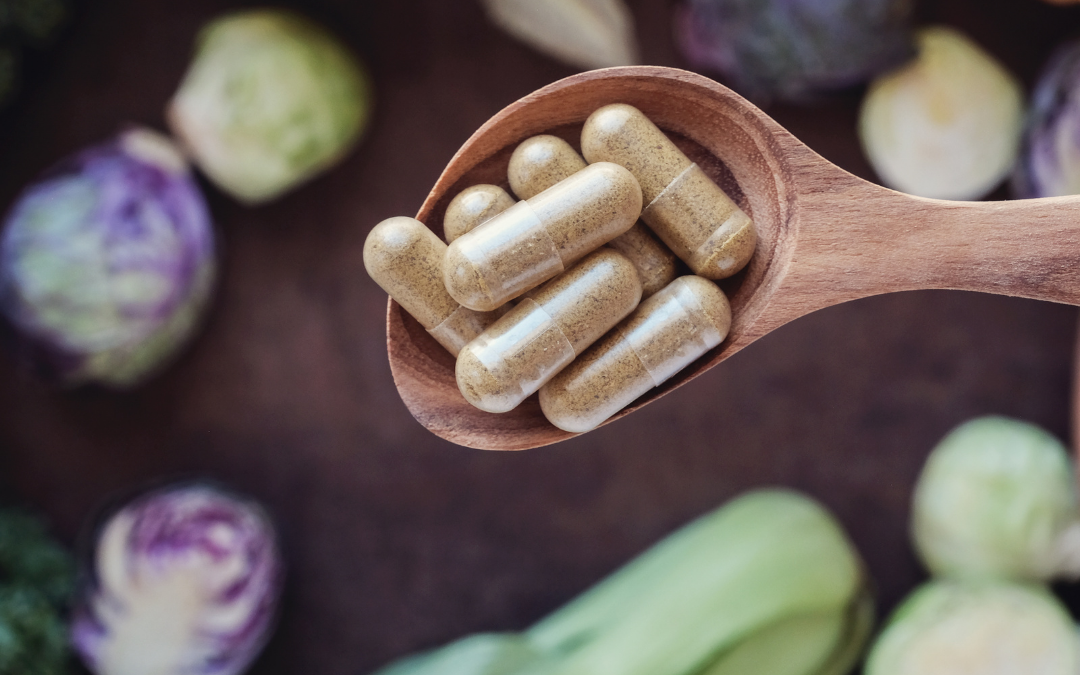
{"x":622,"y":134}
{"x":473,"y":206}
{"x":668,"y":331}
{"x":540,"y":162}
{"x":512,"y":359}
{"x":501,"y":259}
{"x":405,"y":258}
{"x":702,"y":225}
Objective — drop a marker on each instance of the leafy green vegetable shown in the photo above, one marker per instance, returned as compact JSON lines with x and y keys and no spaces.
{"x":480,"y":654}
{"x":766,"y":584}
{"x":36,"y":581}
{"x":24,"y":23}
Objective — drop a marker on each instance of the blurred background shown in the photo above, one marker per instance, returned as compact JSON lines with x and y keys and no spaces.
{"x":396,"y":540}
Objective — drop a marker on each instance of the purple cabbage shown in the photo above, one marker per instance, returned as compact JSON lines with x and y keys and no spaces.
{"x":1049,"y":164}
{"x":794,"y":49}
{"x":107,"y":263}
{"x":185,"y":581}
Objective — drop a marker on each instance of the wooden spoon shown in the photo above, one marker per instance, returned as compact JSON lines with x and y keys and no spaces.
{"x":825,"y":236}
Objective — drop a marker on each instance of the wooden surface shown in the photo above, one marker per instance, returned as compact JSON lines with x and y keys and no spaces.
{"x":398,"y":540}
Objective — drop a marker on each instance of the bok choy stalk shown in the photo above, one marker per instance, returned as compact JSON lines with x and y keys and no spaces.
{"x":714,"y":588}
{"x":767,"y":584}
{"x":480,"y":654}
{"x":997,"y":498}
{"x":963,"y":628}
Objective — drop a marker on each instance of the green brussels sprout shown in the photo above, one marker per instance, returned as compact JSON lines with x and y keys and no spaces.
{"x":957,"y":628}
{"x":946,"y":125}
{"x":270,"y":100}
{"x":997,"y":499}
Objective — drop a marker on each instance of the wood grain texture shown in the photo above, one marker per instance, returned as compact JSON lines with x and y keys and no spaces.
{"x":824,"y":236}
{"x":397,"y":540}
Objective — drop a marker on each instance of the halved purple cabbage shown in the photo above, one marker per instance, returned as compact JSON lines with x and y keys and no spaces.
{"x":185,"y":581}
{"x":794,"y":49}
{"x":1049,"y":164}
{"x":107,"y":263}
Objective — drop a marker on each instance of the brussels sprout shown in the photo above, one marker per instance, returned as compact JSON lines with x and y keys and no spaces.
{"x":997,"y":498}
{"x":953,"y":628}
{"x":792,"y":49}
{"x":1049,"y":164}
{"x":107,"y":263}
{"x":185,"y":581}
{"x":270,"y":100}
{"x":947,"y":125}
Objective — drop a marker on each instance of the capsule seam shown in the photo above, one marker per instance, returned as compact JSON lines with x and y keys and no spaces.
{"x":475,"y":262}
{"x":672,"y":243}
{"x":705,"y":336}
{"x":489,"y":358}
{"x":674,"y":181}
{"x":445,"y":333}
{"x":479,"y":258}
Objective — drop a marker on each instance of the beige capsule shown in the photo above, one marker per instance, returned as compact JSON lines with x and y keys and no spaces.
{"x":405,"y":258}
{"x":538,"y":238}
{"x":473,"y":206}
{"x":684,"y":207}
{"x":541,"y":161}
{"x":668,"y":332}
{"x":542,"y":334}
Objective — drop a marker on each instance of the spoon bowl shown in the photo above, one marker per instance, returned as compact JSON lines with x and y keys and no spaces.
{"x":824,"y":235}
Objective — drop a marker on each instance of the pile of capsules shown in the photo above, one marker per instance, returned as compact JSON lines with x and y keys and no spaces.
{"x":527,"y":293}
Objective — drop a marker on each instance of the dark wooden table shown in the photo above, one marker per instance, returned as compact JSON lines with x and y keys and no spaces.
{"x":396,"y":539}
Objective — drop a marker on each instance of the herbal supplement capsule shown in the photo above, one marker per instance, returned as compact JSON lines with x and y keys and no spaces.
{"x":656,"y":265}
{"x":405,"y":259}
{"x":536,"y":339}
{"x":667,"y":332}
{"x":541,"y":161}
{"x":684,"y":207}
{"x":472,"y":206}
{"x":538,"y":238}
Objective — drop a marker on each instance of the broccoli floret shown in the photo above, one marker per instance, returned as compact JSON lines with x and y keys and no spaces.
{"x":36,"y":582}
{"x":25,"y":23}
{"x":33,"y":640}
{"x":30,"y":557}
{"x":31,"y":20}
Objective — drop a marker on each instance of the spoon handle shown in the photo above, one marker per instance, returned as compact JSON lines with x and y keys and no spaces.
{"x":855,"y":239}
